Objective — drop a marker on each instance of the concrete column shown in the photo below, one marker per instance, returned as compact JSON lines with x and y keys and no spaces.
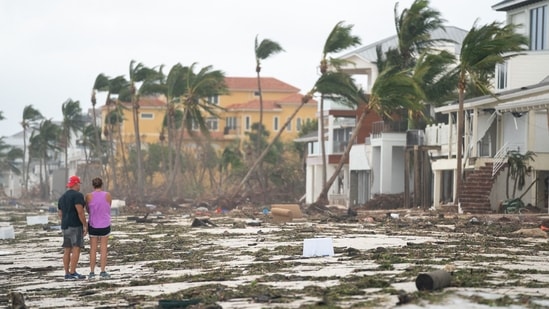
{"x":437,"y":187}
{"x":385,"y":168}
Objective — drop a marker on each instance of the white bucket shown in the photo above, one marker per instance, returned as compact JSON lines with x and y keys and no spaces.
{"x":318,"y":247}
{"x":31,"y":220}
{"x":7,"y":232}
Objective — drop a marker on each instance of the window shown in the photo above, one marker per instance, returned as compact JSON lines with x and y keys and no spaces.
{"x":230,"y":123}
{"x":289,"y":126}
{"x":214,"y":99}
{"x":256,"y":93}
{"x":538,"y":28}
{"x":298,"y":124}
{"x":275,"y":123}
{"x":501,"y":73}
{"x":247,"y":123}
{"x":212,"y":124}
{"x":147,"y":115}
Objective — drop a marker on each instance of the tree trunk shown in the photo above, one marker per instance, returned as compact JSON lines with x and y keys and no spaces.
{"x":66,"y":158}
{"x":177,"y":160}
{"x":25,"y":168}
{"x":323,"y":196}
{"x":266,"y":150}
{"x":260,"y":136}
{"x":97,"y":139}
{"x":139,"y":159}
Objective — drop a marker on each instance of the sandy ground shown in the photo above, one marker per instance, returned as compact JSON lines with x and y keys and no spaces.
{"x":244,"y":263}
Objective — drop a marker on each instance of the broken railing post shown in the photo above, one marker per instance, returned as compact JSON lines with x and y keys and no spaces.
{"x":434,"y":280}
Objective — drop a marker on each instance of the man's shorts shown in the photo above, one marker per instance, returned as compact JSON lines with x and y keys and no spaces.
{"x":98,"y":232}
{"x":73,"y":237}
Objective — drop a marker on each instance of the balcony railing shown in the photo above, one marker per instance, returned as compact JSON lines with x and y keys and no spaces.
{"x":380,"y":127}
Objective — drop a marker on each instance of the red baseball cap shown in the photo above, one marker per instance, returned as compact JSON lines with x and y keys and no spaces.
{"x":73,"y":180}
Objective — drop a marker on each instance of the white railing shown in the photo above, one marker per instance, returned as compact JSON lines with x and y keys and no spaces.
{"x":499,"y":159}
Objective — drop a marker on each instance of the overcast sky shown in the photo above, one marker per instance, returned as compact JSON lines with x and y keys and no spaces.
{"x":53,"y":50}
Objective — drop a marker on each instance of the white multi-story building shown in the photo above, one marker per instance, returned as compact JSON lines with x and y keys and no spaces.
{"x":376,"y":161}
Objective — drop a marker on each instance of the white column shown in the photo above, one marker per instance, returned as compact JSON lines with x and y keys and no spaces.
{"x":437,"y":178}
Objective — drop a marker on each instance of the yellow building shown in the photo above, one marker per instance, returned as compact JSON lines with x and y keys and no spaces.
{"x":279,"y":101}
{"x":241,"y":109}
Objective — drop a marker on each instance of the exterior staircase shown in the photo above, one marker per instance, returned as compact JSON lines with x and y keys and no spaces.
{"x":475,"y":193}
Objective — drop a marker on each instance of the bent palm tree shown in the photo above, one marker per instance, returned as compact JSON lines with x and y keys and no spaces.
{"x":139,"y":74}
{"x":42,"y":144}
{"x":482,"y":48}
{"x":415,"y":52}
{"x":263,"y":50}
{"x":337,"y":83}
{"x":101,"y":84}
{"x":414,"y":27}
{"x":339,"y":39}
{"x":115,"y":86}
{"x":8,"y":156}
{"x":193,"y":102}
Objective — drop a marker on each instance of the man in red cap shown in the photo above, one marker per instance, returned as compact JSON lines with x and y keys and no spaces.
{"x":73,"y":224}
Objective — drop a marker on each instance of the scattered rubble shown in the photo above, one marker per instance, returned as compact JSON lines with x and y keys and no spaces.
{"x":244,"y":258}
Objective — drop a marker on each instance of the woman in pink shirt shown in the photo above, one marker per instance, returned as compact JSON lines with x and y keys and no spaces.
{"x":98,"y":205}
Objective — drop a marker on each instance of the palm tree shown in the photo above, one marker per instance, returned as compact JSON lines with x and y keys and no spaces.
{"x":8,"y":156}
{"x":71,"y":124}
{"x":517,"y":169}
{"x":194,"y":104}
{"x":173,"y":89}
{"x":339,"y":39}
{"x":102,"y":83}
{"x":414,"y":27}
{"x":482,"y":48}
{"x":113,"y":121}
{"x":139,"y":73}
{"x":44,"y":141}
{"x":115,"y":86}
{"x":87,"y":140}
{"x":263,"y":50}
{"x":30,"y":117}
{"x":231,"y":160}
{"x":414,"y":52}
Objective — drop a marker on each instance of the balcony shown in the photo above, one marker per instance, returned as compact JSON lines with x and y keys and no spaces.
{"x":380,"y":127}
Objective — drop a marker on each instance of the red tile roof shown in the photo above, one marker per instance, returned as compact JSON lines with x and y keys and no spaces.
{"x":254,"y":104}
{"x":250,"y":84}
{"x":148,"y":102}
{"x":270,"y":104}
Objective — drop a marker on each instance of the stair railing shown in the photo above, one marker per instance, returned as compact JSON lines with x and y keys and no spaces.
{"x":499,"y":159}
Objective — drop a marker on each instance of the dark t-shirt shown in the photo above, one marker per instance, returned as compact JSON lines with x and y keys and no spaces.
{"x":67,"y":203}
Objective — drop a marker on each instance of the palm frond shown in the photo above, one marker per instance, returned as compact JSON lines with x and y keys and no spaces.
{"x":266,"y":48}
{"x":339,"y":39}
{"x":395,"y":90}
{"x":340,"y":87}
{"x":101,"y":83}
